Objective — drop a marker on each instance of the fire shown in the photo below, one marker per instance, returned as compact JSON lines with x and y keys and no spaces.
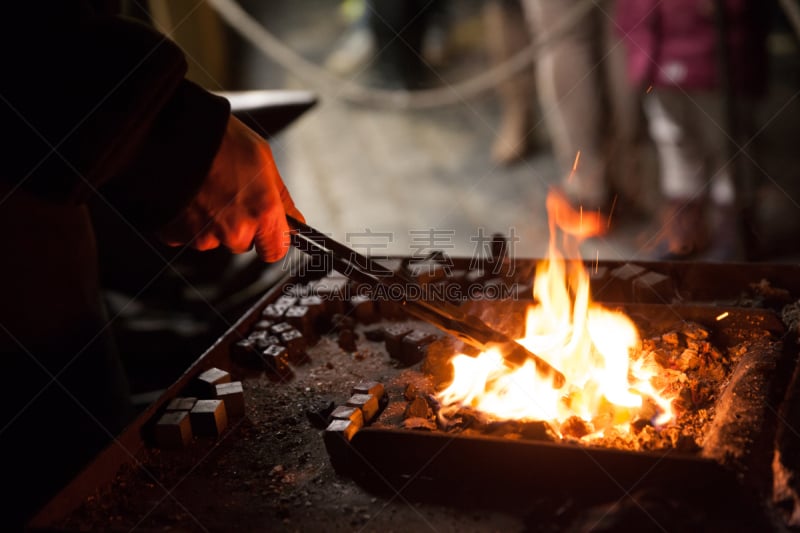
{"x":591,"y":345}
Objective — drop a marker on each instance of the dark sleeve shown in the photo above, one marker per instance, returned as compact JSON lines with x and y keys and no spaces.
{"x":84,"y":98}
{"x":173,"y":160}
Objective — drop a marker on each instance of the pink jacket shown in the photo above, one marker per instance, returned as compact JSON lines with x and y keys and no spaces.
{"x":673,"y":43}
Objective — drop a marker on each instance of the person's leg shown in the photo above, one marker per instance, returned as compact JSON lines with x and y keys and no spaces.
{"x":731,"y":175}
{"x":356,"y":47}
{"x":571,"y":97}
{"x":398,"y":28}
{"x":435,"y":38}
{"x":623,"y":149}
{"x":507,"y":34}
{"x":682,"y":174}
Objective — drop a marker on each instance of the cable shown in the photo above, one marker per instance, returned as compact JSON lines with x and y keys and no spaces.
{"x":336,"y":88}
{"x":792,"y":12}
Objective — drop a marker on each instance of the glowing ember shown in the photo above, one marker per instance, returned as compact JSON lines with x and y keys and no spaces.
{"x":591,"y":345}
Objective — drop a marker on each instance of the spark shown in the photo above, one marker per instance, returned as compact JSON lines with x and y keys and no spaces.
{"x":596,"y":261}
{"x":650,"y":88}
{"x":574,"y":167}
{"x":611,"y":212}
{"x":722,"y":316}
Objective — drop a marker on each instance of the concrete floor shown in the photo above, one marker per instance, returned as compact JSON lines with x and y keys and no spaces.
{"x":404,"y":175}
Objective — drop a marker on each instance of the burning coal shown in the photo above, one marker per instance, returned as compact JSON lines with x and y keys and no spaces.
{"x":608,"y":385}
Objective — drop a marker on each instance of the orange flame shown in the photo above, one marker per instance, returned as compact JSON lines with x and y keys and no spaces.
{"x":589,"y":344}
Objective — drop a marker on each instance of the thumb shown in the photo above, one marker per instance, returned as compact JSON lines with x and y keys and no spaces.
{"x":288,"y":203}
{"x":272,"y":236}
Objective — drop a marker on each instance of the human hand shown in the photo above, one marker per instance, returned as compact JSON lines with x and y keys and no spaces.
{"x":242,"y":200}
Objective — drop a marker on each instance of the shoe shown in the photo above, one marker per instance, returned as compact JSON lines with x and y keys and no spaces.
{"x":506,"y":34}
{"x":728,"y":243}
{"x":587,"y":189}
{"x":683,"y":233}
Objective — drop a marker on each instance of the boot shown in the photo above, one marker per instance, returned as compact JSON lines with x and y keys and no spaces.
{"x":684,"y":231}
{"x":506,"y":34}
{"x":728,"y":243}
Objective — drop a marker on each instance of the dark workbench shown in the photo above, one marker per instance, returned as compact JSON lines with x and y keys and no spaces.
{"x":271,"y":471}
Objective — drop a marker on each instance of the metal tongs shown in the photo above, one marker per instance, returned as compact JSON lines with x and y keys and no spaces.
{"x":447,"y":317}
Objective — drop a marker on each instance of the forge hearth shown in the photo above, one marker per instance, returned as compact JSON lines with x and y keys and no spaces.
{"x":278,"y":468}
{"x":725,"y":433}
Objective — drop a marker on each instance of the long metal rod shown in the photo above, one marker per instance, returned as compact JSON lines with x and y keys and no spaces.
{"x":443,"y":315}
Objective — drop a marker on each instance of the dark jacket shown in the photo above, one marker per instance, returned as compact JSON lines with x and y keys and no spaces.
{"x":675,"y":43}
{"x":92,"y":107}
{"x":98,"y":103}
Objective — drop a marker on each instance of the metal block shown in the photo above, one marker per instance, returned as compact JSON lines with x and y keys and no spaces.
{"x":295,"y":345}
{"x":233,"y":396}
{"x":209,"y":418}
{"x":173,"y":430}
{"x":369,"y":387}
{"x":181,"y":404}
{"x":343,"y":428}
{"x":415,"y":347}
{"x":367,"y":403}
{"x":393,"y":337}
{"x":208,"y":381}
{"x":344,"y":412}
{"x":276,"y":359}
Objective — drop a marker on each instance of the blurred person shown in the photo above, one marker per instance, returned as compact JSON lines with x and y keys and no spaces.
{"x":585,"y":107}
{"x":95,"y":108}
{"x":357,"y":45}
{"x":507,"y":34}
{"x":404,"y":39}
{"x":674,"y":56}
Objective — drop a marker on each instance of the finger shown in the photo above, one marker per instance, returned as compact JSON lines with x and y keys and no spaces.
{"x":288,"y":203}
{"x":275,"y":178}
{"x":205,"y":241}
{"x":237,"y":235}
{"x":272,"y":237}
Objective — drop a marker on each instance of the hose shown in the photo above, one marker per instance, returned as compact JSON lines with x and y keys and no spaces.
{"x":336,"y":88}
{"x":792,"y":11}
